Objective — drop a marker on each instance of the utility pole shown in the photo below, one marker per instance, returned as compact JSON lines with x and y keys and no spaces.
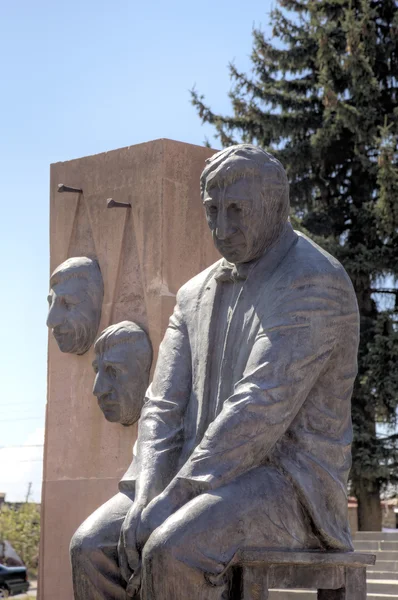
{"x":28,"y":492}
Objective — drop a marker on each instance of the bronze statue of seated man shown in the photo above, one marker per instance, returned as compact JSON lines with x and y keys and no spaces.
{"x":245,"y":435}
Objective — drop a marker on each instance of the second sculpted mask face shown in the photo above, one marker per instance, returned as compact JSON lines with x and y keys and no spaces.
{"x":122,"y":364}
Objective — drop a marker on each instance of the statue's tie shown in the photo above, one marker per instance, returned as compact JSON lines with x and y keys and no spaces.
{"x":228,"y":272}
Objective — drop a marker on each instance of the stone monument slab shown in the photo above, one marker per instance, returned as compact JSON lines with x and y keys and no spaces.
{"x":145,"y":253}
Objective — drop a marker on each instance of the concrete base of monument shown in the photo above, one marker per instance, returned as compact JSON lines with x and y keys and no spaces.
{"x":382,"y":578}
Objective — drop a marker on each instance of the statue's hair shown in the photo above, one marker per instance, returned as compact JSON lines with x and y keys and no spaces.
{"x":83,"y":267}
{"x":245,"y":160}
{"x":127,"y":332}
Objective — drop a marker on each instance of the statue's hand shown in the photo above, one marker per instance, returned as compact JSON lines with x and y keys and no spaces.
{"x":149,"y":519}
{"x":129,"y":557}
{"x":156,"y":513}
{"x":141,"y":522}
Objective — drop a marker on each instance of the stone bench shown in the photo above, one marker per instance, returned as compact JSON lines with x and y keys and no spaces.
{"x":336,"y":575}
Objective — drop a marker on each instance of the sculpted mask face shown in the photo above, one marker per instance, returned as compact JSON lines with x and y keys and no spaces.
{"x":246,"y":197}
{"x":123,"y":356}
{"x":75,"y":302}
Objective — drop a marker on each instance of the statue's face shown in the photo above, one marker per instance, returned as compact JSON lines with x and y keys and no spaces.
{"x":118,"y":384}
{"x":235,"y":217}
{"x":73,"y":315}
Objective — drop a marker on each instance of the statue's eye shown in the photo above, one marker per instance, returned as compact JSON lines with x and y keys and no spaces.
{"x":111,"y":371}
{"x":63,"y":302}
{"x":212,"y":209}
{"x":49,"y":299}
{"x":95,"y":367}
{"x":235,"y":208}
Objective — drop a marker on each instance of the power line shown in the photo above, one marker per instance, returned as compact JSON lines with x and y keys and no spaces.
{"x":27,"y":460}
{"x":17,"y":482}
{"x":19,"y":404}
{"x":31,"y":460}
{"x":24,"y":419}
{"x":23,"y":446}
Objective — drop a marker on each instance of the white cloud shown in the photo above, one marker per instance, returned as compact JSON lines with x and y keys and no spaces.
{"x":21,"y":465}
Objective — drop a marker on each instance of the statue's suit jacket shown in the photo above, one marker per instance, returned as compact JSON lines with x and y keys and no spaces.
{"x":291,"y":361}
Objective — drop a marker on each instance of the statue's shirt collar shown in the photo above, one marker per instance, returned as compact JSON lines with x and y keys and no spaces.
{"x":229,"y":272}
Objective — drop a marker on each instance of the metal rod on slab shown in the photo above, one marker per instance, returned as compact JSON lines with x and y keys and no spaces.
{"x":67,"y":188}
{"x":111,"y":203}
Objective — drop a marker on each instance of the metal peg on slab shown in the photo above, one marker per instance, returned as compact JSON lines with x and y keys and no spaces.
{"x":111,"y":203}
{"x":67,"y":188}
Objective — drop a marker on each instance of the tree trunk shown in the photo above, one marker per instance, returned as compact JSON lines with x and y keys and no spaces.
{"x":369,"y":507}
{"x":366,"y":491}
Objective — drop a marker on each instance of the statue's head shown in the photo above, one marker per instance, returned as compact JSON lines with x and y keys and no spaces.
{"x":75,"y":303}
{"x":123,"y":357}
{"x":245,"y":192}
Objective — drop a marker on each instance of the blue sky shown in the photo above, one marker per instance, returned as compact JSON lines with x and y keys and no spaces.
{"x":78,"y":78}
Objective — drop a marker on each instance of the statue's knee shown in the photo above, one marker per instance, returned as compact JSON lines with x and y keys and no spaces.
{"x":164,"y":544}
{"x":152,"y":549}
{"x":82,"y":546}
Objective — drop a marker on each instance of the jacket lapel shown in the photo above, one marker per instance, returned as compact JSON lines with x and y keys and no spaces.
{"x":241,"y":328}
{"x":204,"y":332}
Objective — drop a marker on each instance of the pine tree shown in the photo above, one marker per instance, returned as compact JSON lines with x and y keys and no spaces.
{"x":322,"y":97}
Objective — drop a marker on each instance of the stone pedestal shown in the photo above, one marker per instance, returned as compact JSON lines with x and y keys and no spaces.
{"x":146,"y":253}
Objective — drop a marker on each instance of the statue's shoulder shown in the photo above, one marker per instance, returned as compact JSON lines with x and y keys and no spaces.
{"x":194,"y":287}
{"x":309,"y":261}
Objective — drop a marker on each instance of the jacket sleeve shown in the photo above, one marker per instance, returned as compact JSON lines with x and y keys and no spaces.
{"x":295,"y":339}
{"x":160,"y":429}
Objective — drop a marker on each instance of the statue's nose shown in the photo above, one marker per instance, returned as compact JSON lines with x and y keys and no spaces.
{"x":101,"y":385}
{"x":224,"y":228}
{"x":55,"y":316}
